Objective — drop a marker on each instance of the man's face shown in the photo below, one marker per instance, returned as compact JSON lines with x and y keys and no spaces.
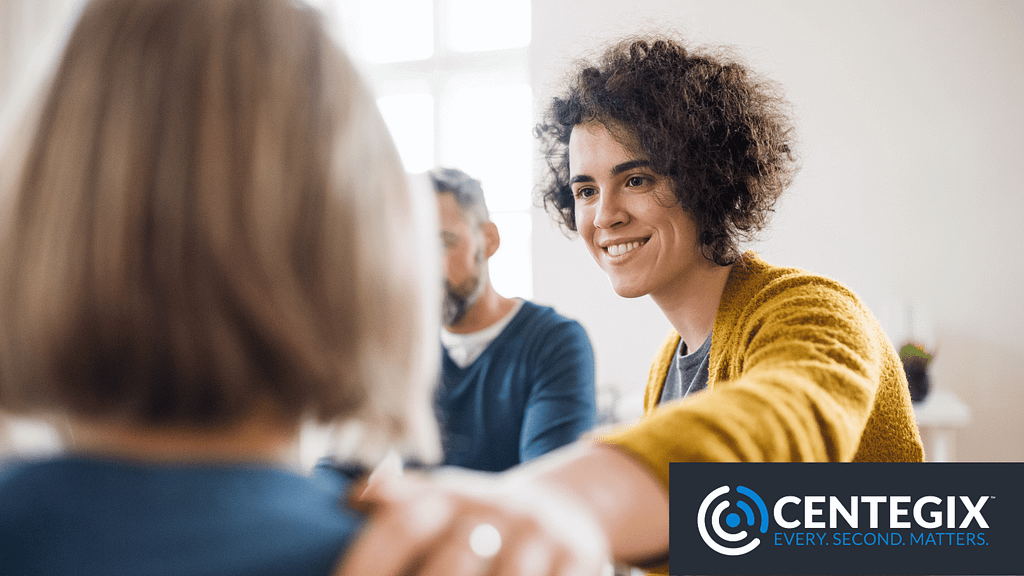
{"x":464,"y":260}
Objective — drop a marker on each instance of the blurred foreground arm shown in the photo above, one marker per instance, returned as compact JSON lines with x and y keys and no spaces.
{"x":562,"y":514}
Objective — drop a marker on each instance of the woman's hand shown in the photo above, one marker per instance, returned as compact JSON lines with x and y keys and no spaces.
{"x":469,"y":524}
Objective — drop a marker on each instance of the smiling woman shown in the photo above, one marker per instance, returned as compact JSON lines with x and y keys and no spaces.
{"x":666,"y":160}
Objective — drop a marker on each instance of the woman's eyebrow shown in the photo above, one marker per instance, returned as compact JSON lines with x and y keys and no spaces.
{"x":620,"y":168}
{"x":615,"y":171}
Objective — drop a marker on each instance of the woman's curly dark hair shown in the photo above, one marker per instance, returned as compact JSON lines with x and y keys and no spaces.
{"x":720,"y":132}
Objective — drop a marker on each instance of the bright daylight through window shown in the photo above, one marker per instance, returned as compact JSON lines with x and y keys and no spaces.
{"x":453,"y":85}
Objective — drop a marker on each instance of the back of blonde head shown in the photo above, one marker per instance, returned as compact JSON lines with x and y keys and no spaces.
{"x":210,"y":218}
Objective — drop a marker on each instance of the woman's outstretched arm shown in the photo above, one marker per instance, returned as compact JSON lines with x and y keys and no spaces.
{"x":564,"y":514}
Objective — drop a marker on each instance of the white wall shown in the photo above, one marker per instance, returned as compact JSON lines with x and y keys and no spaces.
{"x":911,"y":136}
{"x":28,"y":29}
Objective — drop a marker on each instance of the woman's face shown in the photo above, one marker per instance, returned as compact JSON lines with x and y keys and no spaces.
{"x":629,"y":217}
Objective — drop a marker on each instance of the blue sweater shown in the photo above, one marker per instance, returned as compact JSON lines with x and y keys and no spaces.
{"x":83,"y":516}
{"x":529,"y":392}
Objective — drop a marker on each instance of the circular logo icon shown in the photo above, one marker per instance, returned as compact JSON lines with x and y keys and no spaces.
{"x":728,"y":543}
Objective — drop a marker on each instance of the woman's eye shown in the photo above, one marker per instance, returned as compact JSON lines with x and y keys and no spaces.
{"x":636,"y":181}
{"x":584,"y":193}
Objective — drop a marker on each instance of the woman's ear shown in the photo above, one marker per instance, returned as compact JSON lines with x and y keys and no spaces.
{"x":491,"y":238}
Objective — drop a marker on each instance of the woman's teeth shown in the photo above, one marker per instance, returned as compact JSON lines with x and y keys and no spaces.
{"x":620,"y":249}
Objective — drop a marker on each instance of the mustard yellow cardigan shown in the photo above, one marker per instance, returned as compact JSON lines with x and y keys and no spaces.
{"x":799,"y":371}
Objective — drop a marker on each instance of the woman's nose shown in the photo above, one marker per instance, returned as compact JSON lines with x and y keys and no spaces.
{"x":610,"y":212}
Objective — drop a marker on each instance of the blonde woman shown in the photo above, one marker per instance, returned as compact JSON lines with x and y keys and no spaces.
{"x":208,"y":240}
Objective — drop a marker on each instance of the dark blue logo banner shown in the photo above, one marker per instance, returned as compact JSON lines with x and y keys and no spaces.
{"x":858,"y":519}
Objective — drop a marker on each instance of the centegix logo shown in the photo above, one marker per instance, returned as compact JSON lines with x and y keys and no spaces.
{"x":927,"y":512}
{"x":733,"y":520}
{"x":812,"y":512}
{"x":846,"y":518}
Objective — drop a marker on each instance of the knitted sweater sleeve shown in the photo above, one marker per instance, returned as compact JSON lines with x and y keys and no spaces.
{"x":796,"y":362}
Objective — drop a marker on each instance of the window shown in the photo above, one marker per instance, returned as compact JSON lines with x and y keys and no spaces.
{"x":452,"y":81}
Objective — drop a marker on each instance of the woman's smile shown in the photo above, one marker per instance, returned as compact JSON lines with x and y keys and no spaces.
{"x":621,"y":249}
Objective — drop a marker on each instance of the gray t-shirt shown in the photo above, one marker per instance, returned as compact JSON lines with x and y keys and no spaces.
{"x":688,"y":372}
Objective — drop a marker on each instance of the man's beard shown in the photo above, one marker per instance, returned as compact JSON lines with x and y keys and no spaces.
{"x":459,"y":299}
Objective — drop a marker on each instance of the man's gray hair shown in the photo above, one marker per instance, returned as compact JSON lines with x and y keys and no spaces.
{"x":467,"y":191}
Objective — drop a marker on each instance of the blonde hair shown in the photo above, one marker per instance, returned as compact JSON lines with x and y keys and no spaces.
{"x":211,"y":216}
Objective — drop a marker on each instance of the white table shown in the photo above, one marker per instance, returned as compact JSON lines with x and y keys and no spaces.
{"x":938,"y":417}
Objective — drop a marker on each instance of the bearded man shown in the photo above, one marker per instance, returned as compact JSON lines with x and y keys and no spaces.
{"x":517,"y":378}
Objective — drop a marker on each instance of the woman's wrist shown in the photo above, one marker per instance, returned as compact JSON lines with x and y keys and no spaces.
{"x":626,"y":500}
